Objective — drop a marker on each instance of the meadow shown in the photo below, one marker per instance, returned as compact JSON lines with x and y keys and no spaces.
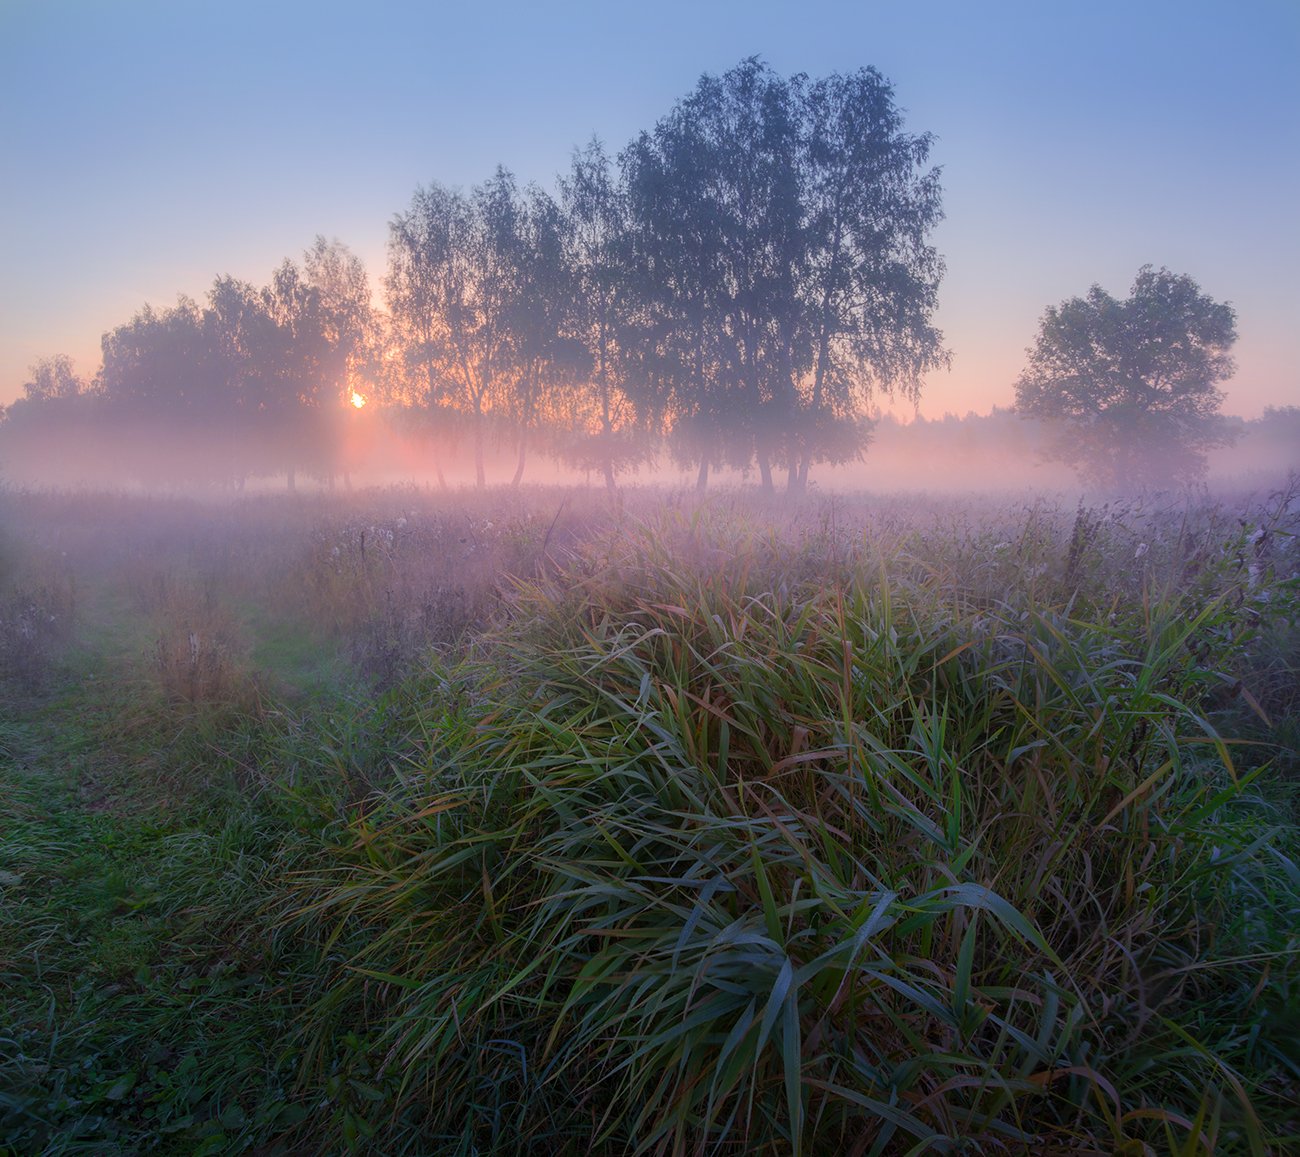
{"x":406,"y":822}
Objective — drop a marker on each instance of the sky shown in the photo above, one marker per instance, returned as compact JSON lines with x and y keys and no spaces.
{"x":148,"y":146}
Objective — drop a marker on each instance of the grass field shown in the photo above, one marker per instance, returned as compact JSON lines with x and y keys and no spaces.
{"x":517,"y":823}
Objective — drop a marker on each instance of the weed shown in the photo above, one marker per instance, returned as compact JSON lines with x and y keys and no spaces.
{"x":401,"y":823}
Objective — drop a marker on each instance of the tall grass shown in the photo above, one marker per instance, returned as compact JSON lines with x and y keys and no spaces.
{"x":855,"y":826}
{"x":711,"y":855}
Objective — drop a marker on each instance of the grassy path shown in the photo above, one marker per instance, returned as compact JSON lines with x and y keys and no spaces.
{"x":128,"y":913}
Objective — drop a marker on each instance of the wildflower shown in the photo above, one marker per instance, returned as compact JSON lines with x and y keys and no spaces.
{"x":1141,"y":550}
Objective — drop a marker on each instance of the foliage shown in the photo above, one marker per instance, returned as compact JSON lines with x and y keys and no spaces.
{"x":780,"y":239}
{"x":757,"y":270}
{"x":891,"y":826}
{"x":479,"y":288}
{"x":611,"y":433}
{"x":1133,"y":383}
{"x":53,"y":378}
{"x":251,"y":383}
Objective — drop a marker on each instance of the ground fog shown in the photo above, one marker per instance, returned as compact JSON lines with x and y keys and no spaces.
{"x":539,"y":820}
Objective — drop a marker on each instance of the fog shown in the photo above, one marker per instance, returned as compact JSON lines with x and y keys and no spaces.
{"x":726,"y":299}
{"x":533,"y":693}
{"x":975,"y":454}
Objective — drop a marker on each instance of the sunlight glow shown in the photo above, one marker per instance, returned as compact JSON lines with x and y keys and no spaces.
{"x":358,"y":400}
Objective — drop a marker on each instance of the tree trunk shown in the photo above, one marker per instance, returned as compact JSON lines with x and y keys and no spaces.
{"x":819,"y":382}
{"x":430,"y":394}
{"x":480,"y":475}
{"x":519,"y":468}
{"x":702,"y":480}
{"x":793,"y":485}
{"x":437,"y":468}
{"x":606,"y":423}
{"x":765,"y":472}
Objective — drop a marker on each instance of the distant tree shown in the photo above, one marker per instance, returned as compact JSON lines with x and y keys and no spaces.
{"x":233,"y":388}
{"x":780,"y":236}
{"x":348,"y":321}
{"x":1272,"y":441}
{"x":53,"y":424}
{"x":161,"y":365}
{"x":300,"y":352}
{"x":714,"y":210}
{"x":427,"y":287}
{"x":166,"y":386}
{"x":351,"y":332}
{"x":241,"y":338}
{"x":446,"y":292}
{"x":1131,"y":386}
{"x":869,"y":285}
{"x":606,"y":431}
{"x":546,"y":360}
{"x":296,"y":364}
{"x":477,"y":290}
{"x":1283,"y":422}
{"x":51,"y":378}
{"x":1282,"y":415}
{"x":479,"y":325}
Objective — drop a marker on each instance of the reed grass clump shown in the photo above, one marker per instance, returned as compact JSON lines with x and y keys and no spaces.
{"x":888,"y":824}
{"x":717,"y":846}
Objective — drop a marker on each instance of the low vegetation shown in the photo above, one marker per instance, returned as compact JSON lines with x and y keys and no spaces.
{"x":524,"y":823}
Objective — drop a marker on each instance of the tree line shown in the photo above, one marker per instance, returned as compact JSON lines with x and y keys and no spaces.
{"x":735,"y":286}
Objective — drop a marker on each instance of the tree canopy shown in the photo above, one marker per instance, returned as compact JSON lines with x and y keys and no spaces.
{"x":780,"y":229}
{"x":1131,"y":386}
{"x":757,"y":267}
{"x":738,"y":285}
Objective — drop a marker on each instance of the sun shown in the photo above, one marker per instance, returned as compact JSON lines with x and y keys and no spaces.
{"x":358,"y":400}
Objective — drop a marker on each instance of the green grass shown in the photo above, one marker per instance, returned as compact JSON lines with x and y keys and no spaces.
{"x":128,"y":934}
{"x":809,"y":871}
{"x":723,"y":828}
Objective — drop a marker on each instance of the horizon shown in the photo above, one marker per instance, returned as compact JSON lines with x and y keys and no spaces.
{"x":191,"y":179}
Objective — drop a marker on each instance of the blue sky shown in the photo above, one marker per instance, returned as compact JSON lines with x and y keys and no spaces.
{"x":149,"y":146}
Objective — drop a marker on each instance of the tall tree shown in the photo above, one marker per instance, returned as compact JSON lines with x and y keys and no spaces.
{"x":427,"y":288}
{"x":443,"y":287}
{"x":489,"y":363}
{"x":870,"y":282}
{"x":298,"y":360}
{"x":53,"y":378}
{"x":347,"y":316}
{"x":596,"y":239}
{"x":241,"y":336}
{"x":682,"y":190}
{"x":1132,"y":386}
{"x":54,"y":423}
{"x":471,"y":289}
{"x":548,"y":360}
{"x":350,"y":328}
{"x":160,"y":364}
{"x":164,"y":381}
{"x":781,"y":235}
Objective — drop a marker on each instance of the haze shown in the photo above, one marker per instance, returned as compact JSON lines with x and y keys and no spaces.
{"x":695,"y":577}
{"x":154,"y":146}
